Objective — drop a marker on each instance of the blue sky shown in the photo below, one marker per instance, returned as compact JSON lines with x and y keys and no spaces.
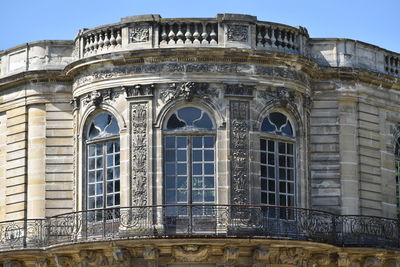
{"x":376,"y":22}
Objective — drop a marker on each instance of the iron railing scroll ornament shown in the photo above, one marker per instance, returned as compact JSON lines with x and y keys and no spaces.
{"x":205,"y":220}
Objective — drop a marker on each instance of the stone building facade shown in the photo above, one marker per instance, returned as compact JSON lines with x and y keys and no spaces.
{"x":213,"y":142}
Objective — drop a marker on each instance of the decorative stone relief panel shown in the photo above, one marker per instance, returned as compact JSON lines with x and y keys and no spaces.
{"x":139,"y":147}
{"x":239,"y":135}
{"x":187,"y":91}
{"x":190,"y":253}
{"x":238,"y":33}
{"x":139,"y":33}
{"x":98,"y":97}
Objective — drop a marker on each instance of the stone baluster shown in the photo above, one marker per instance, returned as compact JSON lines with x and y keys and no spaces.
{"x":179,"y":34}
{"x":87,"y":45}
{"x":196,"y":35}
{"x":188,"y":34}
{"x":204,"y":35}
{"x":112,"y":38}
{"x":119,"y":38}
{"x":107,"y":42}
{"x":273,"y":38}
{"x":289,"y":40}
{"x":101,"y":41}
{"x":279,"y":40}
{"x":91,"y":43}
{"x":259,"y":39}
{"x":267,"y":37}
{"x":163,"y":35}
{"x":171,"y":35}
{"x":96,"y":43}
{"x":213,"y":36}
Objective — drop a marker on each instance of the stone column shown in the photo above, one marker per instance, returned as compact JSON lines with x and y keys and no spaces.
{"x":349,"y":159}
{"x":36,"y":161}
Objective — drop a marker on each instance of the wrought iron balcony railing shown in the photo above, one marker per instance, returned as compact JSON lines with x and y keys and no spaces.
{"x":221,"y":221}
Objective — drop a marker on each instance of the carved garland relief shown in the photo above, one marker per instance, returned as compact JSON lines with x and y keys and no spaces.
{"x":239,"y":135}
{"x":139,"y":160}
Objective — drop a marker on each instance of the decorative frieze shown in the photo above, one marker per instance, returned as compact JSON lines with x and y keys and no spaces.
{"x":139,"y":148}
{"x":239,"y":90}
{"x":187,"y":91}
{"x":238,"y":33}
{"x":139,"y":90}
{"x":139,"y":33}
{"x":239,"y":135}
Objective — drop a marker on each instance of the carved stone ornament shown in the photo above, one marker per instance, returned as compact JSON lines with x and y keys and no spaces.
{"x":190,"y":253}
{"x":239,"y":151}
{"x":98,"y":97}
{"x":75,"y":102}
{"x":238,"y":33}
{"x":231,"y":255}
{"x":280,"y":95}
{"x":64,"y":261}
{"x":239,"y":90}
{"x":372,"y":262}
{"x":121,"y":257}
{"x":13,"y":263}
{"x":320,"y":259}
{"x":139,"y":90}
{"x":139,"y":33}
{"x":139,"y":161}
{"x":343,"y":260}
{"x":150,"y":253}
{"x":42,"y":262}
{"x":261,"y":254}
{"x":93,"y":258}
{"x":294,"y":256}
{"x":187,"y":91}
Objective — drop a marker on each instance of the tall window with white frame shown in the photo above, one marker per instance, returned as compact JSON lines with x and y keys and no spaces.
{"x":103,"y":165}
{"x":277,"y":164}
{"x":397,"y":170}
{"x":189,"y":160}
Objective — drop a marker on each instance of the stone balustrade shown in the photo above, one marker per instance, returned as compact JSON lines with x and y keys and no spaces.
{"x":103,"y":40}
{"x":392,"y":64}
{"x":281,"y":38}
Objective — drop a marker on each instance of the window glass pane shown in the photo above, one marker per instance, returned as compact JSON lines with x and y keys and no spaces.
{"x":170,"y":155}
{"x":182,"y":169}
{"x":209,"y":182}
{"x":204,"y":123}
{"x":197,"y":169}
{"x":181,"y":156}
{"x":99,"y":176}
{"x":182,"y":196}
{"x":170,"y":182}
{"x":169,"y":169}
{"x":181,"y":142}
{"x":99,"y":188}
{"x":197,"y":182}
{"x":99,"y":202}
{"x":189,"y":114}
{"x":99,"y":162}
{"x":197,"y":142}
{"x":267,"y":126}
{"x":208,"y":168}
{"x":92,"y":164}
{"x":117,"y":188}
{"x":197,"y":196}
{"x":175,"y":123}
{"x":197,"y":155}
{"x":209,"y":155}
{"x":92,"y":150}
{"x":170,"y":142}
{"x":116,"y":173}
{"x":278,"y":119}
{"x":103,"y":125}
{"x":181,"y":182}
{"x":92,"y":176}
{"x":110,"y":187}
{"x":91,"y":190}
{"x":209,"y":195}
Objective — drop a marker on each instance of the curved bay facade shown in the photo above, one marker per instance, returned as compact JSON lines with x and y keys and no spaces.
{"x":199,"y":142}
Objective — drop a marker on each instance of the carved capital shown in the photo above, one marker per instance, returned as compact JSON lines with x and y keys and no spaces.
{"x":261,"y":254}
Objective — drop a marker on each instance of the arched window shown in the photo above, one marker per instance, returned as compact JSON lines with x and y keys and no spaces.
{"x":102,"y":159}
{"x":397,"y":169}
{"x":189,"y":158}
{"x":277,"y":163}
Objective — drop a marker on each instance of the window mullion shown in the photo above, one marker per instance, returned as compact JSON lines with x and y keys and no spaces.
{"x":276,"y":156}
{"x":104,"y":147}
{"x":190,"y":162}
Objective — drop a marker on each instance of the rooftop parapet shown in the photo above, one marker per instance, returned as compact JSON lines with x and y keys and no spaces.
{"x":226,"y":30}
